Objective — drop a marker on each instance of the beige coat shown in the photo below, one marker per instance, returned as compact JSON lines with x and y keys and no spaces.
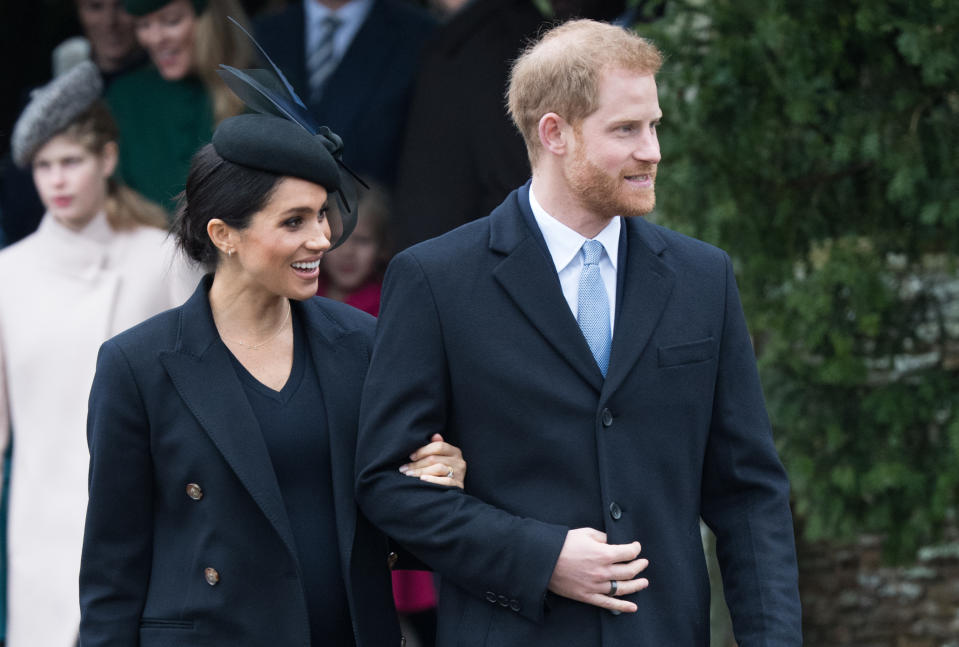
{"x":62,"y":293}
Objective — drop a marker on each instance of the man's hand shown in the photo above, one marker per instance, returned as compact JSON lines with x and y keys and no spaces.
{"x":587,"y":565}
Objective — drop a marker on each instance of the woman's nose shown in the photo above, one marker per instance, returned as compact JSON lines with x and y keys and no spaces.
{"x":57,"y":176}
{"x":319,"y":237}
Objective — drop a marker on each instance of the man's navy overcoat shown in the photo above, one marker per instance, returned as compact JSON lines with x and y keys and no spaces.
{"x":475,"y":340}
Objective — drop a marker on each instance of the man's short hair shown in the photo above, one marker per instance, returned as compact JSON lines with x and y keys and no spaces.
{"x":560,"y":73}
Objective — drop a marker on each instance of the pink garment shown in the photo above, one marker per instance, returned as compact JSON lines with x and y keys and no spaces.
{"x":413,"y":591}
{"x":367,"y":298}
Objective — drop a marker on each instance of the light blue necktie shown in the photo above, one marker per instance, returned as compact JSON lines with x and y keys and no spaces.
{"x":321,"y":62}
{"x":593,"y":305}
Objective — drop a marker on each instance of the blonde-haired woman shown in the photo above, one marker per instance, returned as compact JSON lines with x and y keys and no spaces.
{"x":98,"y":264}
{"x":169,"y":107}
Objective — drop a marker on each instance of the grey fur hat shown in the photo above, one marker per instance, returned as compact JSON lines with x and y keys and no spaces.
{"x":54,"y":107}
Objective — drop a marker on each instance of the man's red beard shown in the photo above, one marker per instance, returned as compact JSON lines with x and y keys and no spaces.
{"x":611,"y":195}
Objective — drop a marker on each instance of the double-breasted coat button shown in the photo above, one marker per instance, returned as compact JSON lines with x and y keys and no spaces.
{"x":514,"y":605}
{"x":211,"y":576}
{"x":607,"y":418}
{"x":491,"y":597}
{"x":615,"y":511}
{"x":194,"y":491}
{"x":391,"y":559}
{"x":503,"y":600}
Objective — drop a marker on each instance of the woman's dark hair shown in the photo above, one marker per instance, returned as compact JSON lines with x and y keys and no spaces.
{"x":217,"y":188}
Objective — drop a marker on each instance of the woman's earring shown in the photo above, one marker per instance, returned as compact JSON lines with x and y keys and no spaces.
{"x":229,"y":252}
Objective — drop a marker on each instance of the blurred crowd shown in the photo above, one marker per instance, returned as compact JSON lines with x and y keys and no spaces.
{"x":416,"y":93}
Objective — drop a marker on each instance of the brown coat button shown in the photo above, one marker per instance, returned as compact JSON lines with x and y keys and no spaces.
{"x":211,"y":576}
{"x":194,"y":491}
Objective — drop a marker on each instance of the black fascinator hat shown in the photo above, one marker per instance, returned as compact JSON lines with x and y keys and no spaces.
{"x":282,"y":137}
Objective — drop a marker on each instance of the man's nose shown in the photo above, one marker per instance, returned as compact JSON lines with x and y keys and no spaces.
{"x":648,"y":149}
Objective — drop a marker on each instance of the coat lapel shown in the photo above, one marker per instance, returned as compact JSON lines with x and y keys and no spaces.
{"x":645,"y":284}
{"x":531,"y":282}
{"x":340,"y":359}
{"x":203,"y":375}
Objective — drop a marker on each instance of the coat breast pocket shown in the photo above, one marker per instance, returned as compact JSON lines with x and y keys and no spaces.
{"x":691,"y":352}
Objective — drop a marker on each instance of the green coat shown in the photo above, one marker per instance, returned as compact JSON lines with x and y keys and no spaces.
{"x":162,"y":123}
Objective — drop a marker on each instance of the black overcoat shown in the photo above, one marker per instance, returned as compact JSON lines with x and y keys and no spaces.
{"x":475,"y":340}
{"x":187,"y":539}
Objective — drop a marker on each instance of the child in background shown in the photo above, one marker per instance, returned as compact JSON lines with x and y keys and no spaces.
{"x":353,"y":274}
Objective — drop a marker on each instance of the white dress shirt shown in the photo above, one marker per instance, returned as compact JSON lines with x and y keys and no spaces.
{"x":352,"y":15}
{"x":564,"y":246}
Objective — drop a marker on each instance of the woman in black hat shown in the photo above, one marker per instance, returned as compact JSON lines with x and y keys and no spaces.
{"x":222,"y":433}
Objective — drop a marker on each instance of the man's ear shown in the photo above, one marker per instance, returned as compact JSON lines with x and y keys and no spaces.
{"x":554,"y":133}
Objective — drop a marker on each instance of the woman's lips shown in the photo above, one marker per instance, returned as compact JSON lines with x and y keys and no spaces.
{"x":307,"y":269}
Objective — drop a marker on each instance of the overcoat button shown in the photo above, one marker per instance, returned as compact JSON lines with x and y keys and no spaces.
{"x":607,"y":418}
{"x":503,"y":600}
{"x":491,"y":597}
{"x":614,"y":511}
{"x":514,"y":605}
{"x":391,"y":559}
{"x":194,"y":491}
{"x":211,"y":576}
{"x":615,"y":612}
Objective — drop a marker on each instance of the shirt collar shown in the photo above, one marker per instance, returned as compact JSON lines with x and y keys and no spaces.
{"x":353,"y":13}
{"x":564,"y":243}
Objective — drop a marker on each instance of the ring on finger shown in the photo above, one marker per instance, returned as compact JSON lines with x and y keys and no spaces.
{"x":449,"y":473}
{"x":613,"y":585}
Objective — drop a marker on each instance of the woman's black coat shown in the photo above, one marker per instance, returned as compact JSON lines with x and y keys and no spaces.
{"x":187,"y":540}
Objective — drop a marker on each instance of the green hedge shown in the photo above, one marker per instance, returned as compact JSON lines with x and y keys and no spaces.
{"x":817,"y":142}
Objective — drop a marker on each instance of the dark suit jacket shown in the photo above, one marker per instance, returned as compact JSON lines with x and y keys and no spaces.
{"x":366,"y":99}
{"x":476,"y":341}
{"x":167,"y":410}
{"x":462,"y":155}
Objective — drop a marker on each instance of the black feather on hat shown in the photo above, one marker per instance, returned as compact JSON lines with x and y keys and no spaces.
{"x":283,"y":137}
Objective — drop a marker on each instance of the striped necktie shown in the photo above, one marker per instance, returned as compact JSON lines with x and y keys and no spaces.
{"x":321,"y":61}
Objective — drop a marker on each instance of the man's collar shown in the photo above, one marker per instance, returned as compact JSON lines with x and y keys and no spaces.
{"x":354,"y":10}
{"x":564,"y":243}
